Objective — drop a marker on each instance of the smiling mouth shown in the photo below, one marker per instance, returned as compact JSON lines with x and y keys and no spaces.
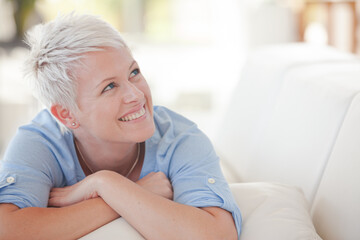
{"x":133,"y":116}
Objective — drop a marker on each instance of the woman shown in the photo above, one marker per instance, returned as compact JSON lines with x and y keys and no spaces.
{"x":101,"y":150}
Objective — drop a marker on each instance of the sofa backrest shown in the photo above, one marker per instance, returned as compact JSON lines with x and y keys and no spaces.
{"x":336,"y":209}
{"x":286,"y":123}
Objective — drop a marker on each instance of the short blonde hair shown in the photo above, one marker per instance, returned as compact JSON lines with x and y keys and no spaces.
{"x":56,"y":49}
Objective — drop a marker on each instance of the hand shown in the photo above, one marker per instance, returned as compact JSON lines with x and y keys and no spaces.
{"x":83,"y":190}
{"x":158,"y":183}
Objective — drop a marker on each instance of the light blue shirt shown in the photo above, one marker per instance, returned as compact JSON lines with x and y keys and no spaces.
{"x":40,"y":157}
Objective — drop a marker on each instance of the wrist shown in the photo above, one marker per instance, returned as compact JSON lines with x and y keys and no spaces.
{"x":104,"y":180}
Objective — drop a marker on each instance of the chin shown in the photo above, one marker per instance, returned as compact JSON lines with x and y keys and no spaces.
{"x":147,"y":133}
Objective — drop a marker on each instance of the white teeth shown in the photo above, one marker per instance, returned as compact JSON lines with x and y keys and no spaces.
{"x":133,"y":116}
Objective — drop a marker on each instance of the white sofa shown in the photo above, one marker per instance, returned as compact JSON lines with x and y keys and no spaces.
{"x":290,"y":146}
{"x":295,"y":119}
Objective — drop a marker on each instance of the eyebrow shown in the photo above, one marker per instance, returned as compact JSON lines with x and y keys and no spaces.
{"x":132,"y":64}
{"x":105,"y":80}
{"x":111,"y":78}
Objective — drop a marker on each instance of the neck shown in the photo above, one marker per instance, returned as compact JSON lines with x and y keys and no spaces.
{"x":115,"y":157}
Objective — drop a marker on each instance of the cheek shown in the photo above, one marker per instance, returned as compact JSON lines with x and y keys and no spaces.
{"x":99,"y":112}
{"x":146,"y":90}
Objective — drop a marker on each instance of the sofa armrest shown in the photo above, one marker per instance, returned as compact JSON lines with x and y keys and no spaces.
{"x":273,"y":211}
{"x":117,"y":229}
{"x":270,"y":211}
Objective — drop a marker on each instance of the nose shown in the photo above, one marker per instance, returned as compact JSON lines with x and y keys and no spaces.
{"x":131,"y":93}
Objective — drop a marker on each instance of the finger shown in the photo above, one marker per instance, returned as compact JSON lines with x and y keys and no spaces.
{"x":56,"y":190}
{"x":145,"y":178}
{"x":60,"y":192}
{"x":162,"y":174}
{"x":57,"y":194}
{"x":150,"y":175}
{"x":61,"y":189}
{"x":56,"y":202}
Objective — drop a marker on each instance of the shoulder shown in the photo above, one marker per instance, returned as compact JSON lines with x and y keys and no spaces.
{"x":180,"y":140}
{"x":36,"y":142}
{"x":171,"y":123}
{"x":43,"y":124}
{"x":43,"y":129}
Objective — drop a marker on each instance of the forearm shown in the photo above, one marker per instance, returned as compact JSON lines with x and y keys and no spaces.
{"x":156,"y":217}
{"x":69,"y":222}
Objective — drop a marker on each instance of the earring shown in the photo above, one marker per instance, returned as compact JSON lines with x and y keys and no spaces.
{"x":73,"y":124}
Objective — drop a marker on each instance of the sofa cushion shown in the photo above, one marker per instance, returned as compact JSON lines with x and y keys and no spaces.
{"x":336,"y":209}
{"x":273,"y":212}
{"x":117,"y":229}
{"x":270,"y":211}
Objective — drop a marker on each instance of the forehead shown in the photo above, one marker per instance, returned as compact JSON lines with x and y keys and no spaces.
{"x":101,"y":64}
{"x":122,"y":55}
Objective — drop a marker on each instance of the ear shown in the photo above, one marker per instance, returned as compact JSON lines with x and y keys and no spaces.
{"x":64,"y":116}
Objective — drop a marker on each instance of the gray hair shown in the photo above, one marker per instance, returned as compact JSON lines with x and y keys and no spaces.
{"x":56,"y":49}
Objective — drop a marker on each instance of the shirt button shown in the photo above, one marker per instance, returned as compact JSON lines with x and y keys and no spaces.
{"x":211,"y":181}
{"x":10,"y":179}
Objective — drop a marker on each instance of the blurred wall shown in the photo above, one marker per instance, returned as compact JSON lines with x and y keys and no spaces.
{"x":191,"y":51}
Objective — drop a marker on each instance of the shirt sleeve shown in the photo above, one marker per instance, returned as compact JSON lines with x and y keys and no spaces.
{"x":196,"y":175}
{"x":26,"y":175}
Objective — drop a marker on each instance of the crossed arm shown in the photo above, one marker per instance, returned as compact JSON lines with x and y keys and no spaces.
{"x":106,"y":195}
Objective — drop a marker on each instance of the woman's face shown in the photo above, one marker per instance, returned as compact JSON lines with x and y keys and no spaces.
{"x":114,"y":98}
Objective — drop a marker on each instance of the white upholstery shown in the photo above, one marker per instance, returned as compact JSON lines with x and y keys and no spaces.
{"x":285,"y":116}
{"x":336,"y":209}
{"x":117,"y":229}
{"x":294,"y":119}
{"x":270,"y":211}
{"x":273,"y":211}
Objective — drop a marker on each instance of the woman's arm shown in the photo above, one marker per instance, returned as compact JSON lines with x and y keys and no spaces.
{"x":155,"y":217}
{"x":69,"y":222}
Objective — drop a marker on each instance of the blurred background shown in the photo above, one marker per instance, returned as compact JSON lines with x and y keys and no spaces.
{"x":190,"y":51}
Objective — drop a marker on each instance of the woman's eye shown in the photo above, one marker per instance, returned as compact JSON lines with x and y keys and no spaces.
{"x":134,"y":73}
{"x":109,"y":87}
